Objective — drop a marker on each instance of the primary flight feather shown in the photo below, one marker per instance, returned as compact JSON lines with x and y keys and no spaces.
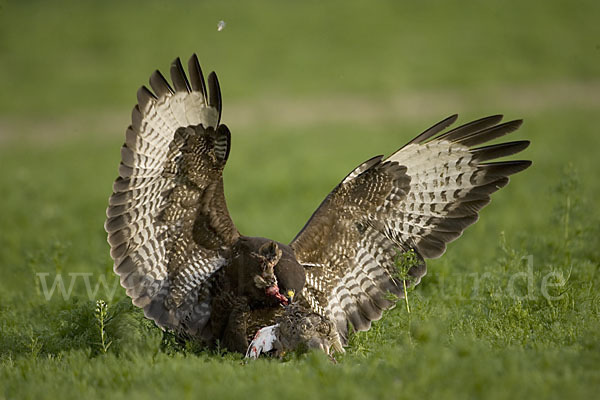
{"x":182,"y":260}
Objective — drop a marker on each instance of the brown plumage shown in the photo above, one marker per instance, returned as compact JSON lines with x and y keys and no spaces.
{"x":182,"y":260}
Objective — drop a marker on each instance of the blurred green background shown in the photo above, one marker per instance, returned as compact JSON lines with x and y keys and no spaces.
{"x":310,"y":90}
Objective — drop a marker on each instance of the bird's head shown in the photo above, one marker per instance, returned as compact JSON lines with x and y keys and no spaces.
{"x":290,"y":275}
{"x":265,"y":271}
{"x":281,"y":277}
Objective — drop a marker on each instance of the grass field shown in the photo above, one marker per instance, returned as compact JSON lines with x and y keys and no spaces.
{"x":310,"y":89}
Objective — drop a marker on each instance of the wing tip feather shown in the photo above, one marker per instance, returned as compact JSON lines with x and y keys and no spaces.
{"x":160,"y":85}
{"x":179,"y":77}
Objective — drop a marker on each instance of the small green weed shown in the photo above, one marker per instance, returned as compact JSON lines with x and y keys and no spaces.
{"x":101,"y":314}
{"x":404,"y":262}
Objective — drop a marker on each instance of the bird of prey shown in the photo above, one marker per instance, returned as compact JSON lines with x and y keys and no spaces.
{"x":182,"y":260}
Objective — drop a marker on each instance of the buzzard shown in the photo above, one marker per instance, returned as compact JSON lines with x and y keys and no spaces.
{"x":182,"y":260}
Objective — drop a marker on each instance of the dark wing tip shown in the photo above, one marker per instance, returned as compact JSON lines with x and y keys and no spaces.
{"x":159,"y":84}
{"x":178,"y":77}
{"x":214,"y":99}
{"x":196,"y":75}
{"x":434,"y":130}
{"x":505,"y":168}
{"x":471,"y":127}
{"x":481,"y":154}
{"x":145,"y":96}
{"x":488,"y":134}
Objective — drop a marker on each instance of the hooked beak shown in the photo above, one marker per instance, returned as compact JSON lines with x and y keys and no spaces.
{"x":290,"y":295}
{"x":274,"y":292}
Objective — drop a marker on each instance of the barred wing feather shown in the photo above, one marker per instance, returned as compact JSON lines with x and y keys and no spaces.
{"x":421,"y":197}
{"x":167,"y":220}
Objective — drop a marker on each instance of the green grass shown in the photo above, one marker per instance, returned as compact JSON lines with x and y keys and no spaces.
{"x":310,"y":90}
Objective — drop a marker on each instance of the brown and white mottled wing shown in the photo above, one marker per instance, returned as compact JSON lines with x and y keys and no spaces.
{"x":421,"y":197}
{"x":168,"y":224}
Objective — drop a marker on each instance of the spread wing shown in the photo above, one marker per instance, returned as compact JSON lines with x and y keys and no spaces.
{"x":421,"y":197}
{"x":168,"y":224}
